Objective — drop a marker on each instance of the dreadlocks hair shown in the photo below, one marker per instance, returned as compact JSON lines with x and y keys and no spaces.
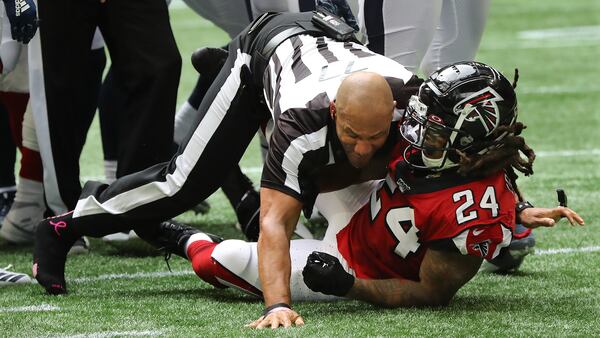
{"x":505,"y":155}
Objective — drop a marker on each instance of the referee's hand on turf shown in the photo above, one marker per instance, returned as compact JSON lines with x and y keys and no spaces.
{"x":282,"y":317}
{"x":547,"y":217}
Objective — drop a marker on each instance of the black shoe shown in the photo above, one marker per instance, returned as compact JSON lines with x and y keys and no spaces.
{"x":53,"y":239}
{"x":209,"y":61}
{"x":248,"y":212}
{"x":80,"y":247}
{"x":172,"y":237}
{"x":6,"y":201}
{"x":510,"y":259}
{"x":201,"y":208}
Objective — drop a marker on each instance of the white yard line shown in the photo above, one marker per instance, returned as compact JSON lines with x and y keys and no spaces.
{"x":568,"y":153}
{"x":559,"y":90}
{"x":108,"y":334}
{"x":567,"y":250}
{"x":569,"y":33}
{"x":540,"y":44}
{"x":30,"y":308}
{"x":118,"y":334}
{"x":137,"y":275}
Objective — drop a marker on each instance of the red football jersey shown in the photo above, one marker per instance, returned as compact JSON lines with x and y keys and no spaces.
{"x":388,"y":237}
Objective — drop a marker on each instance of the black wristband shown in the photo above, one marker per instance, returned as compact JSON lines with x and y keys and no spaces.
{"x":274,"y":306}
{"x":522,"y":206}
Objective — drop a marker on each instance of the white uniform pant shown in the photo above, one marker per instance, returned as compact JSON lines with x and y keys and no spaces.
{"x":241,"y":257}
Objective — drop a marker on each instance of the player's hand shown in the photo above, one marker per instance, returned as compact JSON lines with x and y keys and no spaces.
{"x":324,"y":273}
{"x":341,"y":9}
{"x":283,"y":317}
{"x":547,"y":217}
{"x":22,"y":15}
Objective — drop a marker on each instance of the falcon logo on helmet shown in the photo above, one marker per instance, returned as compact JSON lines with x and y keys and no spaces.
{"x":483,"y":106}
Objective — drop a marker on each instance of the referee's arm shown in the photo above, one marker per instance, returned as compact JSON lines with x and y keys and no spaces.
{"x":279,"y":215}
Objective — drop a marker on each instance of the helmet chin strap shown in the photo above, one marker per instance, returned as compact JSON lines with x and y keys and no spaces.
{"x":437,"y":164}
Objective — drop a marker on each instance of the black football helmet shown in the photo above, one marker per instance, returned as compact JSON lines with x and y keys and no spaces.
{"x":458,"y":108}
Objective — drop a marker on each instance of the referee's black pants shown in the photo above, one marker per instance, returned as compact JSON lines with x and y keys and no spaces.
{"x":145,"y":62}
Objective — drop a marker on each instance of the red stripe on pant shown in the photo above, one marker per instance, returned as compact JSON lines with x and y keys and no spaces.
{"x":208,"y":269}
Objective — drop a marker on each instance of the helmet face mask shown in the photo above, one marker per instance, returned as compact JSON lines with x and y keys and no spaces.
{"x":459,"y":108}
{"x":429,"y":135}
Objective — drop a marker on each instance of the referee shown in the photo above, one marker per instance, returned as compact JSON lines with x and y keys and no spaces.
{"x":281,"y":67}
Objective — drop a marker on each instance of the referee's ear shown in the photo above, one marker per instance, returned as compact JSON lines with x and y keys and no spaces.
{"x":332,"y":110}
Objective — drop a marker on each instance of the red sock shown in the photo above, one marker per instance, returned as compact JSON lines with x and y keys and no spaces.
{"x":31,"y":165}
{"x":199,"y":253}
{"x":15,"y":104}
{"x":209,"y":269}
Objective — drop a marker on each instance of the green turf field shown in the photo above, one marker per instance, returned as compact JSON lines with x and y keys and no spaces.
{"x":556,"y":46}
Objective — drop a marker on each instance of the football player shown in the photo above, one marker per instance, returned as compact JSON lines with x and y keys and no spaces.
{"x":424,"y":34}
{"x":416,"y":237}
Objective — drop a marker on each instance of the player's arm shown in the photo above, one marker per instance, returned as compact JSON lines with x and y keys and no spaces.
{"x":442,"y":274}
{"x":279,"y":215}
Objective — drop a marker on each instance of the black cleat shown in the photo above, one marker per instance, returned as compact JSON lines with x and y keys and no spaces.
{"x":248,"y":212}
{"x":510,"y":259}
{"x":209,"y":61}
{"x":53,"y":239}
{"x":172,"y":237}
{"x":201,"y":208}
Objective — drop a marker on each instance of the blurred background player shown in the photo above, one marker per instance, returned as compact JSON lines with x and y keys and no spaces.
{"x":19,"y":21}
{"x":146,"y":64}
{"x":30,"y":204}
{"x":17,"y":26}
{"x":424,"y":34}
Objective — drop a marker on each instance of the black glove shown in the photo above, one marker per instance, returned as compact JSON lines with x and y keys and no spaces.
{"x":22,"y":15}
{"x":341,"y":9}
{"x":324,"y":273}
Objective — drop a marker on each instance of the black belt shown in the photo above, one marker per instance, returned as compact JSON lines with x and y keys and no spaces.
{"x":278,"y":39}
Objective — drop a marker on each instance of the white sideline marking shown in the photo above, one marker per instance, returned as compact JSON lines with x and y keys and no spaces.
{"x":570,"y":33}
{"x":31,"y":308}
{"x":567,"y":250}
{"x":137,"y":275}
{"x":117,"y":334}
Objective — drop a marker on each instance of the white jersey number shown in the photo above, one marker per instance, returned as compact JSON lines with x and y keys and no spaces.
{"x":397,"y":220}
{"x":488,"y":201}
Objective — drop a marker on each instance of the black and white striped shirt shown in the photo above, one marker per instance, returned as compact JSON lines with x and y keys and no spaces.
{"x":303,"y":76}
